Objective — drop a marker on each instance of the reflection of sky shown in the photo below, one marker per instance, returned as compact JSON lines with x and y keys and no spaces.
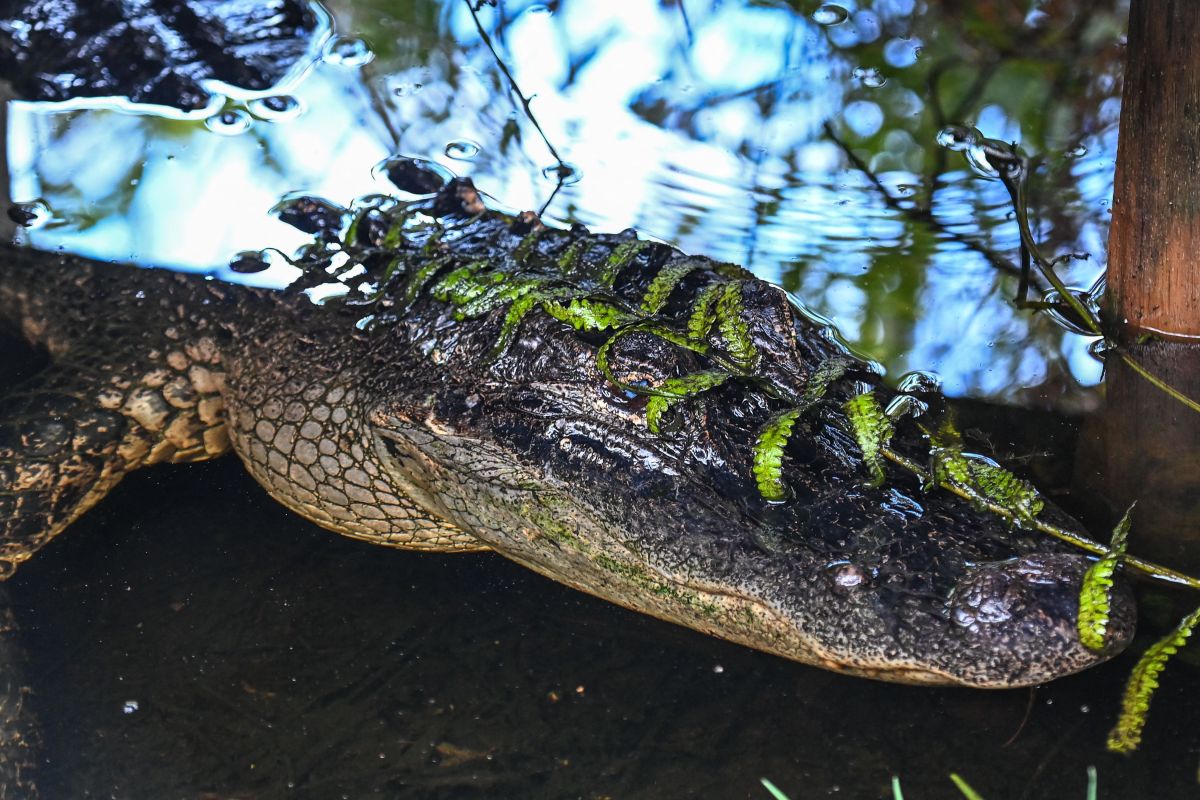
{"x":717,"y":146}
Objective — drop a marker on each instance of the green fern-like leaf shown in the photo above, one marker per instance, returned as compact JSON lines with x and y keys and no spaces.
{"x":999,"y":486}
{"x":704,"y":312}
{"x":676,"y":389}
{"x":620,"y":257}
{"x":735,"y":333}
{"x":463,"y":284}
{"x":768,"y":454}
{"x":664,"y":283}
{"x":872,"y":430}
{"x":818,"y":383}
{"x":419,"y":278}
{"x":1095,"y":596}
{"x":583,"y":314}
{"x":512,"y":323}
{"x":527,"y":245}
{"x":569,"y":260}
{"x":1143,"y":681}
{"x":661,"y":331}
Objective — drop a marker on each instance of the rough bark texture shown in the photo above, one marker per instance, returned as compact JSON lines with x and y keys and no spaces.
{"x":1156,"y":206}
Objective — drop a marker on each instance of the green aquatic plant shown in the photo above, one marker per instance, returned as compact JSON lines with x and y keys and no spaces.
{"x":677,"y":389}
{"x":1095,"y":596}
{"x":872,"y":429}
{"x":1143,"y":681}
{"x":768,"y":455}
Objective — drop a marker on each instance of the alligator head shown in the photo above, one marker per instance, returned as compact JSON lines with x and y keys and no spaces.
{"x":533,"y":432}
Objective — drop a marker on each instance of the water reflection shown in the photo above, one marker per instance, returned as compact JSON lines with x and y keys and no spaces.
{"x":800,"y":145}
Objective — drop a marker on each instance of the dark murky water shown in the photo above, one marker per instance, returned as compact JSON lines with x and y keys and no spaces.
{"x":191,"y":639}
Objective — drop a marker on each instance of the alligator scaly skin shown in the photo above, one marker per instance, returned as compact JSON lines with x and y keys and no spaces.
{"x":393,"y":415}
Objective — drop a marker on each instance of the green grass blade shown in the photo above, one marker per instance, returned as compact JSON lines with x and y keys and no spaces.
{"x":965,"y":788}
{"x":773,"y":789}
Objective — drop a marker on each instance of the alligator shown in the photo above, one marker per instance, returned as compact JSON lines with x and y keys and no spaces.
{"x":446,"y":377}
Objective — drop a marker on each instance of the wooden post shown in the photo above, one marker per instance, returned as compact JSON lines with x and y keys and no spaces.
{"x":1154,"y":242}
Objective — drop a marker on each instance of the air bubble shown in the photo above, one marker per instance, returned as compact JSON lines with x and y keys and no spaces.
{"x":349,"y":51}
{"x":563,"y":173}
{"x":313,"y":215}
{"x":1078,"y":151}
{"x":229,"y":122}
{"x":248,"y":262}
{"x":33,"y":214}
{"x":830,"y":14}
{"x":276,"y":108}
{"x":461,"y":149}
{"x":958,"y":137}
{"x":414,"y":175}
{"x":870,"y":77}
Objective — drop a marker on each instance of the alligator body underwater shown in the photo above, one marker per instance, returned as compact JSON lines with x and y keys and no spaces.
{"x":590,"y":406}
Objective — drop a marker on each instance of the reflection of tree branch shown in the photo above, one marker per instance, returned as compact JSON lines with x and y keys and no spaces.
{"x":562,"y":170}
{"x":918,"y":214}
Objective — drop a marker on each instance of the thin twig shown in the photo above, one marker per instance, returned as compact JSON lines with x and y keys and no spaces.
{"x":512,"y":82}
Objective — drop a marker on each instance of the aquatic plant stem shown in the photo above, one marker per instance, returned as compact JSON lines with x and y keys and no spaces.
{"x":1149,"y":568}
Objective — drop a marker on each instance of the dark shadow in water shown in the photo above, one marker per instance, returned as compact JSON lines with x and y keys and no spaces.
{"x":190,"y":636}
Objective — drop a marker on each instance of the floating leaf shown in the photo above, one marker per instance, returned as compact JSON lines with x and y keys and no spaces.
{"x":768,"y":454}
{"x":735,"y":333}
{"x":1143,"y":681}
{"x":872,"y":430}
{"x":704,"y":312}
{"x":620,"y":257}
{"x":1095,"y":596}
{"x":676,"y":389}
{"x":664,"y":283}
{"x":583,"y":314}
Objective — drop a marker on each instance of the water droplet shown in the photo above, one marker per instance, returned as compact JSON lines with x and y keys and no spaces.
{"x":1078,"y":151}
{"x":229,"y":122}
{"x":130,"y":706}
{"x":958,"y":137}
{"x":414,"y":175}
{"x":1065,"y":316}
{"x":919,"y":382}
{"x":406,"y":89}
{"x":564,"y":173}
{"x":247,"y":262}
{"x":461,"y":149}
{"x":870,"y":77}
{"x":33,"y":214}
{"x":309,"y":214}
{"x":830,"y":14}
{"x":276,"y":108}
{"x":1099,"y":349}
{"x":349,"y":51}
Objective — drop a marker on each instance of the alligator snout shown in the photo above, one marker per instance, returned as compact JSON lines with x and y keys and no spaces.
{"x":1014,"y":622}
